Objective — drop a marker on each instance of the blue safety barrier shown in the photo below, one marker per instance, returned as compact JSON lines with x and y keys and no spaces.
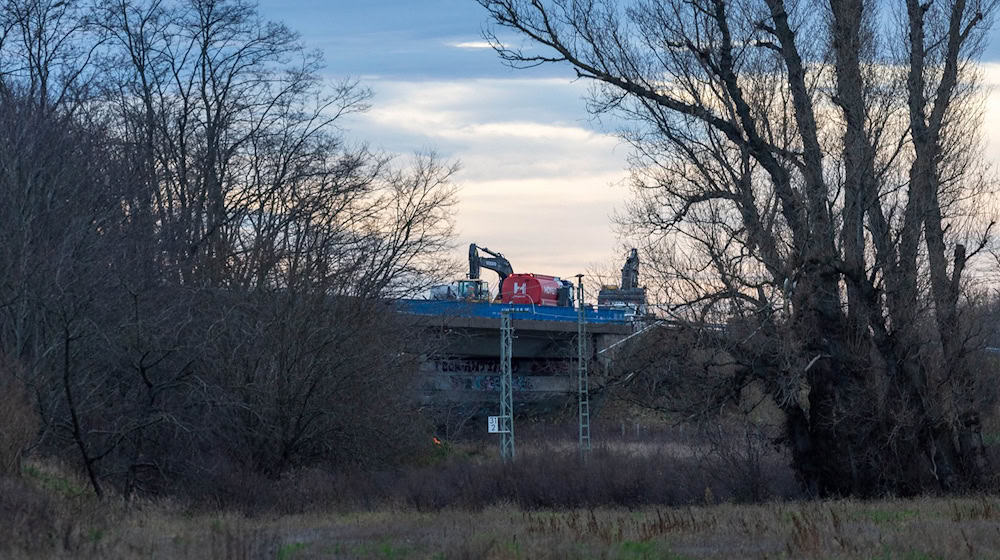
{"x":451,"y":308}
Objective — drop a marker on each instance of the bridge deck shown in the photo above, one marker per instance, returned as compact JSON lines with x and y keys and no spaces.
{"x":449,"y":310}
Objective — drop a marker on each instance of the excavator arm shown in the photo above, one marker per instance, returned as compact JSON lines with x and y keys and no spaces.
{"x":495,"y":262}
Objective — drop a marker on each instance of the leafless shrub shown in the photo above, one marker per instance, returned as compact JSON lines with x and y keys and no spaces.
{"x":556,"y":479}
{"x":30,"y":517}
{"x":542,"y":477}
{"x":195,"y":276}
{"x":744,"y":457}
{"x":46,"y":514}
{"x":18,"y":421}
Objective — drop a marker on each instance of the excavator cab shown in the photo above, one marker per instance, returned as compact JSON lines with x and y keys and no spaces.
{"x":473,"y":290}
{"x":467,"y":290}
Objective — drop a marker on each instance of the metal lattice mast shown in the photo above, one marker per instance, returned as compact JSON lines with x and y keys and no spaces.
{"x":583,"y":382}
{"x":506,"y":388}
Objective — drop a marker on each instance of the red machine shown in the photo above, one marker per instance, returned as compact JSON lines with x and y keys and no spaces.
{"x":536,"y":289}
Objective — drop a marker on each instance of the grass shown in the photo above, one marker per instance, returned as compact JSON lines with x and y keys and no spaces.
{"x":291,"y":550}
{"x":614,"y":508}
{"x":919,"y":529}
{"x":61,"y":483}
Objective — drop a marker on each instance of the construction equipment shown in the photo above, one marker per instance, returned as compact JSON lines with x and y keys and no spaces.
{"x":629,"y":295}
{"x":473,"y":288}
{"x":522,"y":288}
{"x":495,"y":262}
{"x":468,"y":290}
{"x":534,"y":289}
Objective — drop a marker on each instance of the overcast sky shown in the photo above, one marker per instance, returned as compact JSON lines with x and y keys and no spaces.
{"x":540,"y":180}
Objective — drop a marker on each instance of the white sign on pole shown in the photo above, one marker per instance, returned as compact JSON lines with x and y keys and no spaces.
{"x":493,"y":424}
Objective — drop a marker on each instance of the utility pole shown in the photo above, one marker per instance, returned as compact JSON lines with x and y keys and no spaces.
{"x":506,"y":388}
{"x":583,"y":382}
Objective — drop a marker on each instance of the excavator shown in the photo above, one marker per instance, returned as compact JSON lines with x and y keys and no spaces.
{"x":534,"y":289}
{"x":497,"y":263}
{"x":473,"y":288}
{"x":629,"y":294}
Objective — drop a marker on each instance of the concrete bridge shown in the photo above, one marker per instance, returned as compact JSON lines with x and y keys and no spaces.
{"x":461,"y":370}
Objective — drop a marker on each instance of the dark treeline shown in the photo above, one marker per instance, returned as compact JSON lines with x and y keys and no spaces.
{"x":193,"y":256}
{"x":810,"y":173}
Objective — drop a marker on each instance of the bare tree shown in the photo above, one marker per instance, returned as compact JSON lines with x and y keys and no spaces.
{"x":196,"y":261}
{"x":252,"y":181}
{"x":49,"y":50}
{"x":803,"y":173}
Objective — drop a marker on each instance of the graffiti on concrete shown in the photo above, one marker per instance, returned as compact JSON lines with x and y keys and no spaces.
{"x":533,"y":367}
{"x":488,"y":382}
{"x":467,"y":366}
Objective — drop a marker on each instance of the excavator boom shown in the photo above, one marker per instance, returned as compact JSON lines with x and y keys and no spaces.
{"x":495,"y":262}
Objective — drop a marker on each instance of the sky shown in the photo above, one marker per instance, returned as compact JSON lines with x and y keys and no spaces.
{"x":540,"y":180}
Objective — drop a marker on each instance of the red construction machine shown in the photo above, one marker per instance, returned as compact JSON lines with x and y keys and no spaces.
{"x":520,"y":288}
{"x":536,"y":289}
{"x":524,"y":287}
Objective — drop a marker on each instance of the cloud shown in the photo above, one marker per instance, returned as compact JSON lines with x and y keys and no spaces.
{"x":514,"y":128}
{"x":470,"y":45}
{"x":991,"y":115}
{"x":538,"y":180}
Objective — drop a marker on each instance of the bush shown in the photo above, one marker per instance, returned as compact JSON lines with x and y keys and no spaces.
{"x":551,"y":478}
{"x":542,"y":477}
{"x":18,"y":422}
{"x":41,"y":522}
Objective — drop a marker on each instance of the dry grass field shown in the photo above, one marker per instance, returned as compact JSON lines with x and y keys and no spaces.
{"x":631,"y":500}
{"x":918,"y":529}
{"x":49,"y":515}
